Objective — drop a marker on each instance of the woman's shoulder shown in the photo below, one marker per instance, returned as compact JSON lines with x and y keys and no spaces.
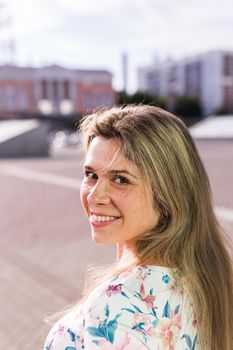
{"x":141,"y":286}
{"x":150,"y":300}
{"x":67,"y":332}
{"x":158,"y":279}
{"x":147,"y":300}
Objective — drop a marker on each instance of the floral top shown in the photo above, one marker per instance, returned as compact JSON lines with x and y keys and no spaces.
{"x":144,"y":308}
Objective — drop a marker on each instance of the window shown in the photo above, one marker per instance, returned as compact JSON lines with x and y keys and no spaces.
{"x":10,"y":98}
{"x":55,"y":90}
{"x":66,"y":90}
{"x":44,"y":90}
{"x":23,"y":99}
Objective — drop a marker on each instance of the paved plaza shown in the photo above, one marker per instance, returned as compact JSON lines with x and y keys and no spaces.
{"x":45,"y":242}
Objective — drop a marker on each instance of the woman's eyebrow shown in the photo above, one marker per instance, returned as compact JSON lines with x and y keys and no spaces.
{"x":111,"y":171}
{"x":87,"y":167}
{"x":121,"y":171}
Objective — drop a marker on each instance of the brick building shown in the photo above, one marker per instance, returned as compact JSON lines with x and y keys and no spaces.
{"x":208,"y":76}
{"x":53,"y":90}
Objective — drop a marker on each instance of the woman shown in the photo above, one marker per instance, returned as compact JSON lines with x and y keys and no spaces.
{"x":146,"y":190}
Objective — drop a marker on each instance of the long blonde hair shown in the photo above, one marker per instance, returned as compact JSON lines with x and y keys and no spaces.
{"x":188,"y":235}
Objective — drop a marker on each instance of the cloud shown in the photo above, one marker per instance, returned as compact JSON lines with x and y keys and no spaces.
{"x":90,"y":33}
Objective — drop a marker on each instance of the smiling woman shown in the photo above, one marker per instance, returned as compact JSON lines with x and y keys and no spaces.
{"x":113,"y":195}
{"x":146,"y":190}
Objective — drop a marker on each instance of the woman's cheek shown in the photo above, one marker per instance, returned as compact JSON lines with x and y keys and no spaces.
{"x":124,"y":199}
{"x":84,"y":194}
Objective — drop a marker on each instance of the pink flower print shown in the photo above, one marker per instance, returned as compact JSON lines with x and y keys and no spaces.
{"x":177,"y":288}
{"x":151,"y":331}
{"x":61,"y":330}
{"x":142,"y":275}
{"x":194,"y":323}
{"x":166,"y":334}
{"x":149,"y":299}
{"x":167,"y":328}
{"x":113,"y":289}
{"x":176,"y":319}
{"x":142,"y":289}
{"x":139,"y":317}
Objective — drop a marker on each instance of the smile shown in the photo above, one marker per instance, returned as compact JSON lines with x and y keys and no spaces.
{"x":102,"y":218}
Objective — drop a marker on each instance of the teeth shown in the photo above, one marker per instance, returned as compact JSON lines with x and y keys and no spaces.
{"x":101,"y":218}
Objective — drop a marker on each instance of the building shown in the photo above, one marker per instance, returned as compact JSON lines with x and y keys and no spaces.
{"x":53,"y":90}
{"x":208,"y":76}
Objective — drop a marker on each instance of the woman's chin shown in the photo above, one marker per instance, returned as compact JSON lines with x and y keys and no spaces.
{"x":97,"y":238}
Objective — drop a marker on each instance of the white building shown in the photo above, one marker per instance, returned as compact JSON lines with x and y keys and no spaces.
{"x":207,"y":76}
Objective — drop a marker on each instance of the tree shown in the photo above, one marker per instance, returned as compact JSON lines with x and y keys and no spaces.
{"x":222,"y":111}
{"x":187,"y":106}
{"x":141,"y":97}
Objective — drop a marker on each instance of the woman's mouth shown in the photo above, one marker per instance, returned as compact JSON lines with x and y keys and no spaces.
{"x":102,"y":220}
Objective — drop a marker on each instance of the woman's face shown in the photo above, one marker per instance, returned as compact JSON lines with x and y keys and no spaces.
{"x":116,"y":200}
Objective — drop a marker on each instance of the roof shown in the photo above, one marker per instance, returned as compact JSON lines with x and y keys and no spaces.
{"x":214,"y":128}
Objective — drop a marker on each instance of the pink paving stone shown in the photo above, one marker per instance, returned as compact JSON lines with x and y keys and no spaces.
{"x":45,"y":242}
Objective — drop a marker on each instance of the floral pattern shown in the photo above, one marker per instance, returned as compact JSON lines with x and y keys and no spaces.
{"x":143,"y":309}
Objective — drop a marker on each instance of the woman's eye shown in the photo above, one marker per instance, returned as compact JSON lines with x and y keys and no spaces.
{"x":90,"y":175}
{"x":121,"y":180}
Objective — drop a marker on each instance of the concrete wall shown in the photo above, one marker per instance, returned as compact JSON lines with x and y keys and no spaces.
{"x":32,"y":143}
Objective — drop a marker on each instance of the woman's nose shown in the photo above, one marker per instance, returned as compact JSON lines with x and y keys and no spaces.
{"x":99,"y":194}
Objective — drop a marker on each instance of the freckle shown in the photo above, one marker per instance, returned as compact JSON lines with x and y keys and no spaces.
{"x":124,"y":195}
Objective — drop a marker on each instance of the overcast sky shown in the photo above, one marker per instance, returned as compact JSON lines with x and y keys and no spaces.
{"x":95,"y":33}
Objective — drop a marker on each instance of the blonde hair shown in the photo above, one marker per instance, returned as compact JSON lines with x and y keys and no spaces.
{"x":188,"y":235}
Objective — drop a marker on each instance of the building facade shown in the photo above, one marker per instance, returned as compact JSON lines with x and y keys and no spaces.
{"x":208,"y":76}
{"x":53,"y":90}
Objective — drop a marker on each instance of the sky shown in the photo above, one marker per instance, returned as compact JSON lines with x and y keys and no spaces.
{"x":93,"y":34}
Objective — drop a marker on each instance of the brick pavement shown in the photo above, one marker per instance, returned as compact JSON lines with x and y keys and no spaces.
{"x":44,"y":248}
{"x":45,"y":242}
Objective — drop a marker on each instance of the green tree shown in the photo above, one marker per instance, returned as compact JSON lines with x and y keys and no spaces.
{"x":141,"y":97}
{"x":187,"y":106}
{"x":222,"y":111}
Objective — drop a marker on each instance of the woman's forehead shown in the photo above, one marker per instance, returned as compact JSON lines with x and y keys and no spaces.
{"x":107,"y":154}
